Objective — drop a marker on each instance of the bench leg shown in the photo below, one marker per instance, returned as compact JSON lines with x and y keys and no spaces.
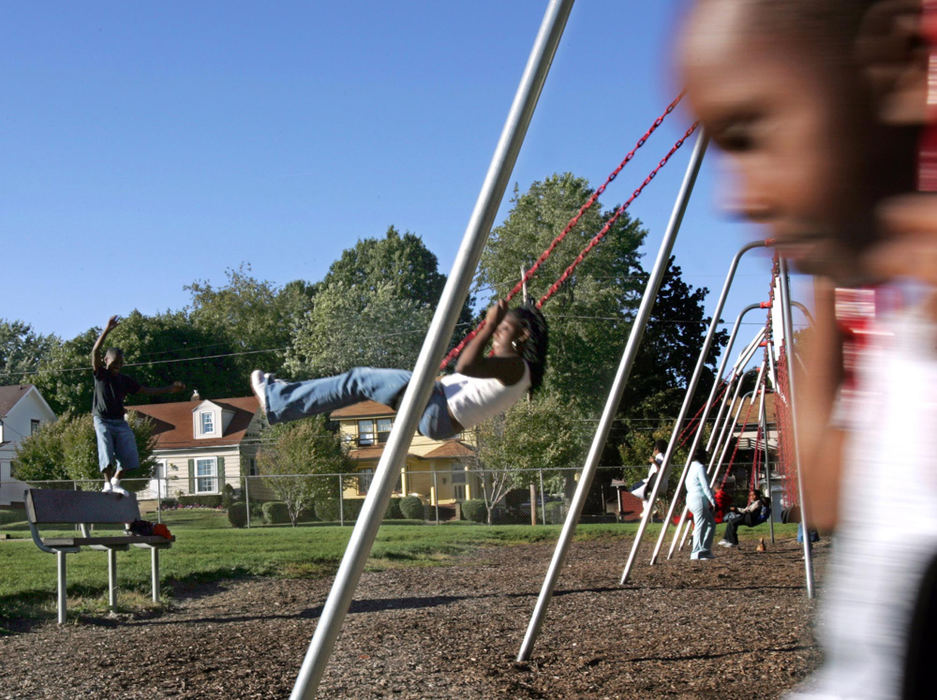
{"x":154,"y":572}
{"x":112,"y":579}
{"x":60,"y":566}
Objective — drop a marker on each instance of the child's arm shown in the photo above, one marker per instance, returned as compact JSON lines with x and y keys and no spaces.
{"x":472,"y":361}
{"x":168,"y":389}
{"x":96,"y":363}
{"x":821,"y":444}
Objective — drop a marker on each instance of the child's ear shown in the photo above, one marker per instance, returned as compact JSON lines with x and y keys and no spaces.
{"x":893,"y":51}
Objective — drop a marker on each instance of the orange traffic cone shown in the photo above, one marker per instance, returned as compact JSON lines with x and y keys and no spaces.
{"x":761,"y":546}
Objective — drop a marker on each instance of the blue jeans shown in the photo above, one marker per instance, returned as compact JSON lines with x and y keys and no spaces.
{"x":288,"y":401}
{"x":116,"y":444}
{"x":704,"y":527}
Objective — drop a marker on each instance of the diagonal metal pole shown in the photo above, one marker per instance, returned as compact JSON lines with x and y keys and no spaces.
{"x":437,"y":338}
{"x":684,"y":409}
{"x":784,"y":287}
{"x":614,"y":398}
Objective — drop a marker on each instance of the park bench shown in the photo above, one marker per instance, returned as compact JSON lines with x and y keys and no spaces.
{"x":84,"y":509}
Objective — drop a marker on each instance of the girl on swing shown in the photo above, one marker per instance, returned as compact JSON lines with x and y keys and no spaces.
{"x":480,"y":388}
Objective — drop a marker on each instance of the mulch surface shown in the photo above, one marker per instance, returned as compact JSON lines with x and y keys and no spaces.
{"x":737,"y":626}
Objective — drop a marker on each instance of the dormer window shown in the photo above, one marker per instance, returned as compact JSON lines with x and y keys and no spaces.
{"x":206,"y":422}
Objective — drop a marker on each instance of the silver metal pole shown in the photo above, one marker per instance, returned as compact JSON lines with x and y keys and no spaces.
{"x":614,"y":397}
{"x":763,"y":421}
{"x":437,"y":337}
{"x":684,"y":409}
{"x":247,"y":498}
{"x":788,"y":325}
{"x":436,"y":495}
{"x":724,"y":360}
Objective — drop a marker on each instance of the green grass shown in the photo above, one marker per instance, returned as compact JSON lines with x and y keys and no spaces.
{"x":208,"y":549}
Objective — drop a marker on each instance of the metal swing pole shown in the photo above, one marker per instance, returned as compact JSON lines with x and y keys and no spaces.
{"x":726,"y":433}
{"x":763,"y":421}
{"x":784,"y":287}
{"x":434,"y":346}
{"x":654,"y":282}
{"x":691,"y":389}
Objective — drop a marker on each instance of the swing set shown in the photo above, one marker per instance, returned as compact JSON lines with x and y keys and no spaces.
{"x":443,"y":324}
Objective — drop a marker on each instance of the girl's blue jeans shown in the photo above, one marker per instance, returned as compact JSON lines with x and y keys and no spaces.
{"x":288,"y":401}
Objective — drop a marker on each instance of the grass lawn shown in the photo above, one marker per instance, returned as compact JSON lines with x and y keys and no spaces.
{"x":207,"y":548}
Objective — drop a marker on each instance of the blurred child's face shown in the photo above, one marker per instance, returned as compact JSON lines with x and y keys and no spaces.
{"x":795,"y":140}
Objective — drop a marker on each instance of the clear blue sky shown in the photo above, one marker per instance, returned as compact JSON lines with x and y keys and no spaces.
{"x":149,"y":144}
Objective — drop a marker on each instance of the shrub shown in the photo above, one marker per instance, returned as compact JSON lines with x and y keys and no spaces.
{"x":228,"y":496}
{"x":393,"y":510}
{"x":327,"y":509}
{"x":168,"y":503}
{"x":474,"y":509}
{"x":276,"y":512}
{"x":411,"y":507}
{"x":237,"y":514}
{"x":208,"y":500}
{"x":307,"y":514}
{"x":555,"y":514}
{"x":11,"y":516}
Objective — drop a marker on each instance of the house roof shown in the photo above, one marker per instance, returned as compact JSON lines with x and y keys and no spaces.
{"x":174,"y":424}
{"x":450,"y":448}
{"x":10,"y":396}
{"x":362,"y":409}
{"x":753,"y":414}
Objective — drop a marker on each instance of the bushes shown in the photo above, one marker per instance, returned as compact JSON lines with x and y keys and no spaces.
{"x":203,"y":501}
{"x":237,"y":514}
{"x":474,"y":509}
{"x":555,"y":513}
{"x":393,"y":510}
{"x":275,"y":512}
{"x":327,"y":510}
{"x":411,"y":508}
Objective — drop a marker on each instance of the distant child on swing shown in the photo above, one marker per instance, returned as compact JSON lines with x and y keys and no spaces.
{"x":820,"y":107}
{"x":117,"y":446}
{"x":481,"y":387}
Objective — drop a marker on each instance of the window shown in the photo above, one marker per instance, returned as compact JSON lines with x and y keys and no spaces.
{"x":207,"y":422}
{"x":366,"y":432}
{"x":383,"y":429}
{"x":206,"y":476}
{"x":458,"y":484}
{"x":364,"y":480}
{"x":33,"y":426}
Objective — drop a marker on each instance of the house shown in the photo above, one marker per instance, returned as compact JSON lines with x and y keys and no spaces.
{"x":202,"y":444}
{"x":435,"y":470}
{"x":22,"y":411}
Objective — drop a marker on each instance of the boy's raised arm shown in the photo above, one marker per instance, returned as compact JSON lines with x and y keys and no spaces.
{"x":96,"y":350}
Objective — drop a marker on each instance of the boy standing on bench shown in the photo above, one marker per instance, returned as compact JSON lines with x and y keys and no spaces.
{"x":117,"y":446}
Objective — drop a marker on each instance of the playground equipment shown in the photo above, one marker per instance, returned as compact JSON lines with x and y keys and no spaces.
{"x":442,"y":327}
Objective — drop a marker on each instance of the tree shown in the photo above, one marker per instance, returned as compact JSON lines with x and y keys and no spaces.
{"x":249,"y":315}
{"x":157,"y":350}
{"x":372,"y":308}
{"x":305,"y":447}
{"x":21,"y":351}
{"x":535,"y":436}
{"x":66,"y":450}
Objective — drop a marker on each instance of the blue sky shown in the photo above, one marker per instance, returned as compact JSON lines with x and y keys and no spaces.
{"x":146,"y":145}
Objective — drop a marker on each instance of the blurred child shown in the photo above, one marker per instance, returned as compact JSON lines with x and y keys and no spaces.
{"x":819,"y":106}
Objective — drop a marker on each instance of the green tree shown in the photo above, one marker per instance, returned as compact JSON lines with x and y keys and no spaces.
{"x":66,"y":450}
{"x":304,"y":447}
{"x":21,"y":351}
{"x":248,"y":316}
{"x":541,"y":434}
{"x":372,"y":308}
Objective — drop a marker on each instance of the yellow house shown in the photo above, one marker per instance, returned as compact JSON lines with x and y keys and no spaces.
{"x":435,"y":470}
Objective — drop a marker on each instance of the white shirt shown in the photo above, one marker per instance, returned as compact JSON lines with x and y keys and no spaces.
{"x":472,"y":400}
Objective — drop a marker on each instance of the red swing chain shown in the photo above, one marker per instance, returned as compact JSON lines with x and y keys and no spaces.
{"x":572,"y":222}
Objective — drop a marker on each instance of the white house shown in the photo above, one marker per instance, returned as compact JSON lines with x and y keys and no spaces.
{"x":22,"y":411}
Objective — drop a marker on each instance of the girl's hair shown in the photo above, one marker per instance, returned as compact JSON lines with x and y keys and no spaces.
{"x":534,"y":349}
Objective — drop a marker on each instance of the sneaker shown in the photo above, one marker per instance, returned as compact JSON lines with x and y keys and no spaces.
{"x":726,"y":543}
{"x":107,"y":486}
{"x":116,"y":487}
{"x":259,"y":386}
{"x":707,"y":555}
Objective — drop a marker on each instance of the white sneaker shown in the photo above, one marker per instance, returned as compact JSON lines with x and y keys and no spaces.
{"x":725,"y":543}
{"x":115,"y":485}
{"x":107,"y":486}
{"x":259,"y":386}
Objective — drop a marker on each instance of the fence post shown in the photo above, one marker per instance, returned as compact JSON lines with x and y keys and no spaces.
{"x":247,"y":498}
{"x":341,"y":506}
{"x":543,"y":501}
{"x":436,"y":496}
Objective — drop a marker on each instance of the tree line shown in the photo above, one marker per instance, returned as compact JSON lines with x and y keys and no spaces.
{"x":373,"y":307}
